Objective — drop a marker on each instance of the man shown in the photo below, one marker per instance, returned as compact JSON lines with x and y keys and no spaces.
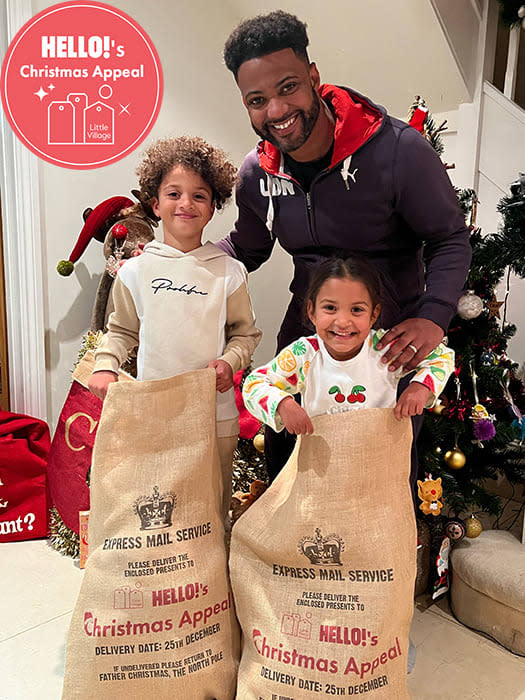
{"x":334,"y":174}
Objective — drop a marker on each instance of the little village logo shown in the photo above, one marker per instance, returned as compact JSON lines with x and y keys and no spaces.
{"x":322,"y":551}
{"x":155,"y":511}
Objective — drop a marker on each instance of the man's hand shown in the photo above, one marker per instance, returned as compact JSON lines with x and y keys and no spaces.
{"x":412,"y":401}
{"x":411,"y":340}
{"x":294,"y":417}
{"x":224,"y":374}
{"x":99,"y":382}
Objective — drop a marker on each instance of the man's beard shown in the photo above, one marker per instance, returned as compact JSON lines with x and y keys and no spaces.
{"x":289,"y":144}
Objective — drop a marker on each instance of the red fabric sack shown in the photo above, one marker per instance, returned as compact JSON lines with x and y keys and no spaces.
{"x":71,"y":451}
{"x":24,"y":449}
{"x":72,"y":446}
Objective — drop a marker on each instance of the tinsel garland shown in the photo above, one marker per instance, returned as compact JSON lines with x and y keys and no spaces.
{"x":248,"y":465}
{"x":90,"y":341}
{"x":61,"y":537}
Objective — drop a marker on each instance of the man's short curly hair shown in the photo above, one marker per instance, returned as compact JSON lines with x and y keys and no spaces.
{"x":191,"y":152}
{"x":265,"y":34}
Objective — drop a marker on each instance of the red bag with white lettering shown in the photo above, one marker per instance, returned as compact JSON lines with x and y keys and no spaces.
{"x":24,"y":448}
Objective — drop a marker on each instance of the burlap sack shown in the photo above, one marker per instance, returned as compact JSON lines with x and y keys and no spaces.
{"x":323,"y":566}
{"x":154,"y":617}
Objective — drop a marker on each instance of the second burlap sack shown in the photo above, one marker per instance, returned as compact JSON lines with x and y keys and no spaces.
{"x":323,"y":566}
{"x":154,"y":617}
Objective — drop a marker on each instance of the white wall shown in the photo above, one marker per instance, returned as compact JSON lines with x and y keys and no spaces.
{"x":390,"y":51}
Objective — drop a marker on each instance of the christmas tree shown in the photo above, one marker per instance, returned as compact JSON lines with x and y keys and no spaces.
{"x":476,"y":431}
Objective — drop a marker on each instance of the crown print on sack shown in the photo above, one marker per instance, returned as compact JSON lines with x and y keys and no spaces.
{"x":322,"y":550}
{"x":155,"y":511}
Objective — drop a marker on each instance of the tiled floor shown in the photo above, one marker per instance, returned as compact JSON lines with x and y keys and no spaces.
{"x":39,"y":588}
{"x":455,"y":663}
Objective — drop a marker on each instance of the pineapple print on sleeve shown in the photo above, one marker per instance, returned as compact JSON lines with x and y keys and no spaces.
{"x":435,"y":370}
{"x":283,"y":376}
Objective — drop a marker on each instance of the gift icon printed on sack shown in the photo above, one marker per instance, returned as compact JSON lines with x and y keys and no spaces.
{"x":295,"y":625}
{"x":126,"y":599}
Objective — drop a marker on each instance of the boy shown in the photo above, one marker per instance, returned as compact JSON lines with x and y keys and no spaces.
{"x":184,"y":303}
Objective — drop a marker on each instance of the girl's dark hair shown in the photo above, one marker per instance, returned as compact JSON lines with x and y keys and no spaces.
{"x":265,"y":34}
{"x":353,"y":268}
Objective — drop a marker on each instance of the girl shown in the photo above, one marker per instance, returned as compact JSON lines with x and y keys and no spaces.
{"x":340,"y":368}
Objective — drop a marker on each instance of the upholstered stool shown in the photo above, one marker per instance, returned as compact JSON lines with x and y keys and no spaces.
{"x":488,"y":586}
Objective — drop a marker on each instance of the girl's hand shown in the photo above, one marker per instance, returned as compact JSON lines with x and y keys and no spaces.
{"x":294,"y":417}
{"x":412,"y":401}
{"x":224,"y":374}
{"x":99,"y":382}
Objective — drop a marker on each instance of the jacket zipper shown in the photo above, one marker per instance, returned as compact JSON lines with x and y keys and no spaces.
{"x":310,"y":216}
{"x":309,"y":206}
{"x":309,"y":209}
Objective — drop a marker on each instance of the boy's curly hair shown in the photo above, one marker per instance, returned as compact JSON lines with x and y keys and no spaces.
{"x":265,"y":34}
{"x":194,"y":153}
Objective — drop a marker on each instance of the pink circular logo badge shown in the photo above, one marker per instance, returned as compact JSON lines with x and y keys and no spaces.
{"x":81,"y":84}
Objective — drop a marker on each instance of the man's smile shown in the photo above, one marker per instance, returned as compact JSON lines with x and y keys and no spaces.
{"x":284,"y":125}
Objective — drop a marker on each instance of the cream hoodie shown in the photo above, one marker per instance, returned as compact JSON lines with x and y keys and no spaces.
{"x":183,"y":310}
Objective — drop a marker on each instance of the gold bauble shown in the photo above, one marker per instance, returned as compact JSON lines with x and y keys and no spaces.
{"x":258,"y":442}
{"x":438,"y":450}
{"x":455,"y":458}
{"x":474,"y":527}
{"x":438,"y":408}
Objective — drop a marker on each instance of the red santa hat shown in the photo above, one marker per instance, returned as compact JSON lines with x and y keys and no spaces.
{"x":97,"y":224}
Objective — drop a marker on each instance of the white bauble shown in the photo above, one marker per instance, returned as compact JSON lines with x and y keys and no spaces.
{"x":469,"y":305}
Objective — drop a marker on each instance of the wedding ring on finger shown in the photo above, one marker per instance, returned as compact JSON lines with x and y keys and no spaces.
{"x":411,"y":347}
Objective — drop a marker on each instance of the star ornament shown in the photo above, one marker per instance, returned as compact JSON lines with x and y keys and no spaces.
{"x":494,"y":306}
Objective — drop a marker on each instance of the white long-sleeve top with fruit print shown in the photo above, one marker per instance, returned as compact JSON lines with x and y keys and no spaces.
{"x":329,"y":385}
